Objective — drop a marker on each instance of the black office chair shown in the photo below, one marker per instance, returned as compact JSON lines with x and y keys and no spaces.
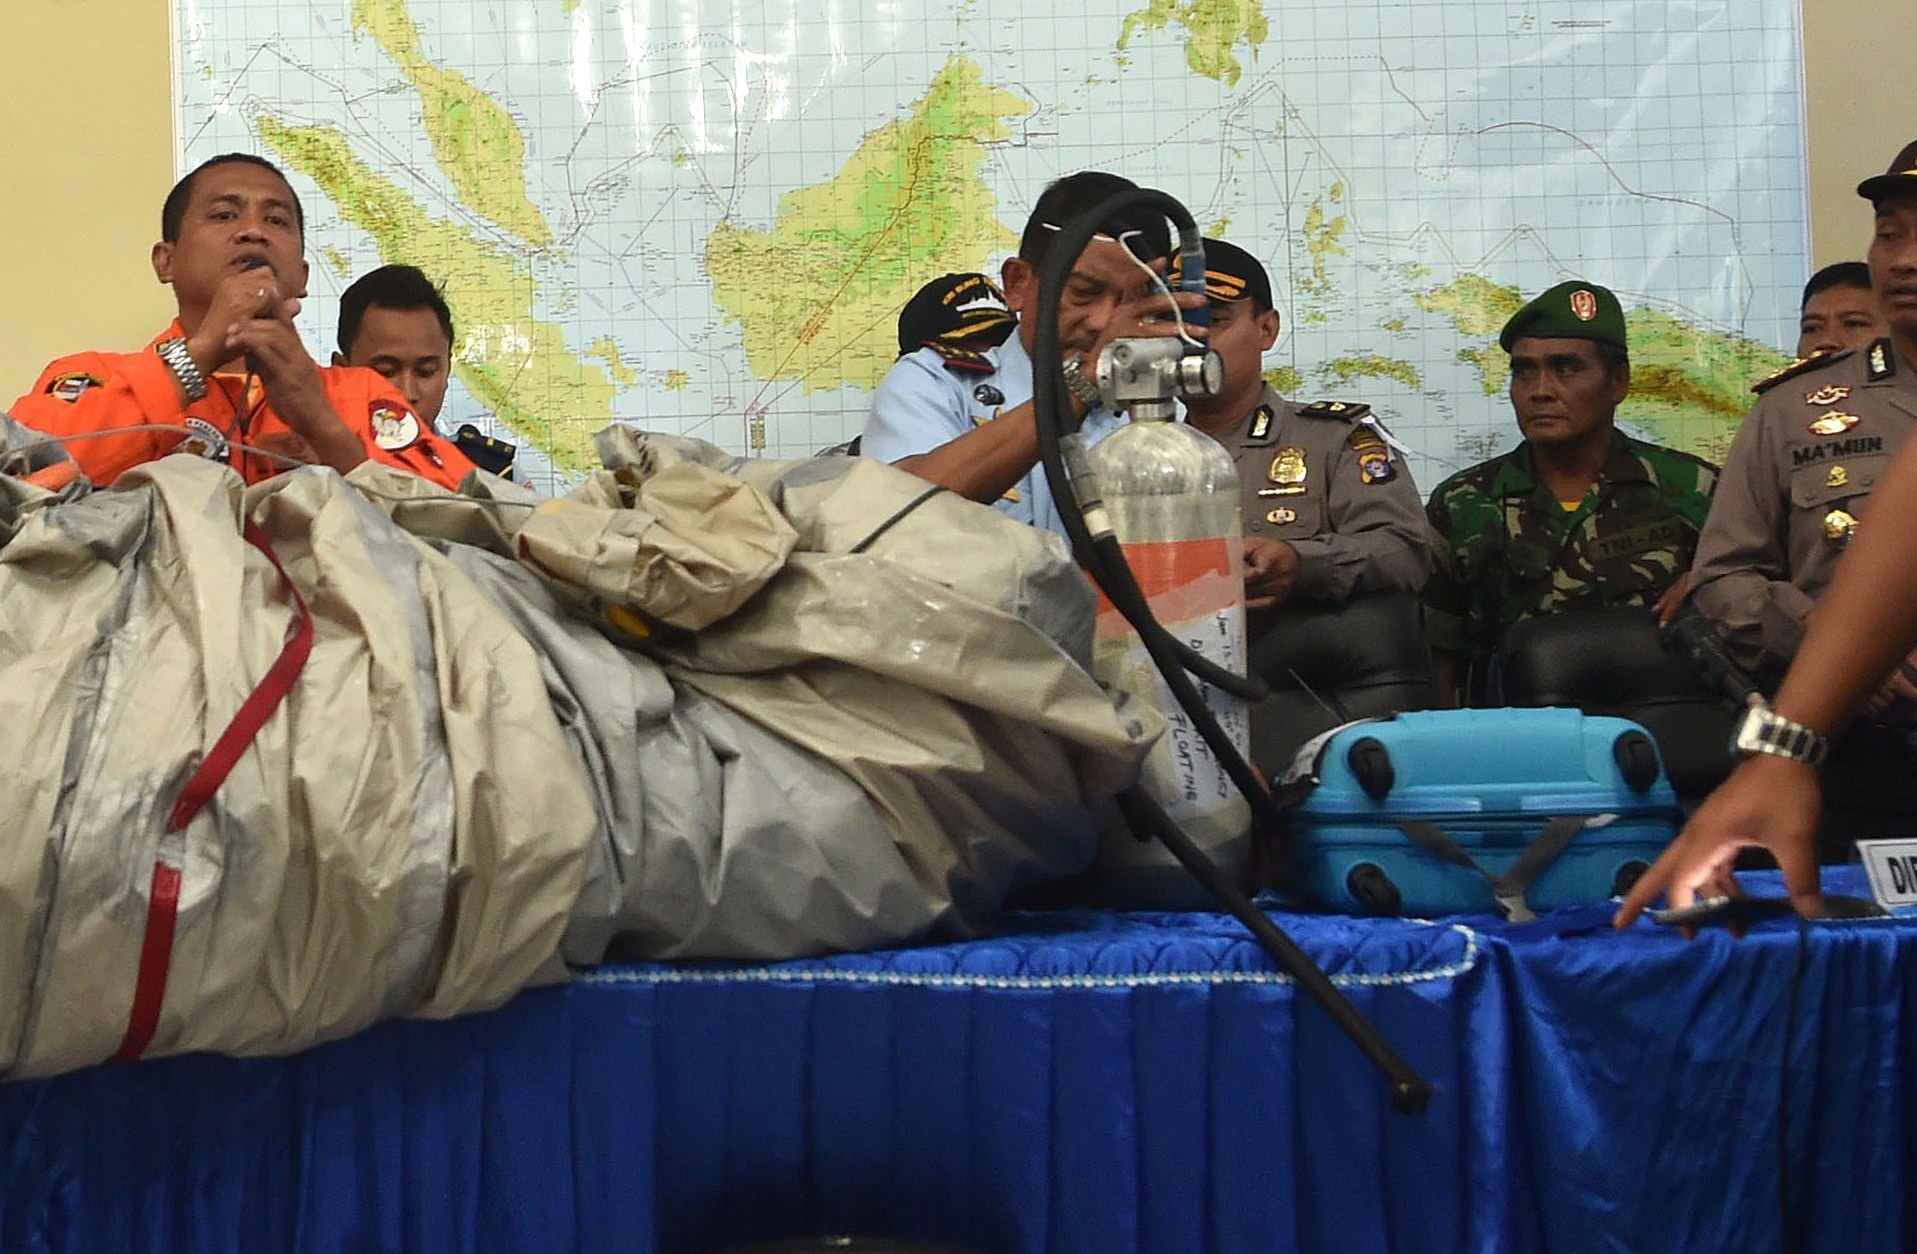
{"x":1326,"y":667}
{"x":1613,"y":661}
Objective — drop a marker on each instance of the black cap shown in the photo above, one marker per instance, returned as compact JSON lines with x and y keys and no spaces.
{"x":1900,"y":177}
{"x":959,"y":309}
{"x":1232,"y":274}
{"x":1574,"y":310}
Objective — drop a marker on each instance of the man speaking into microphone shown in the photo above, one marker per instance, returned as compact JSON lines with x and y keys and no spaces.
{"x":230,"y":378}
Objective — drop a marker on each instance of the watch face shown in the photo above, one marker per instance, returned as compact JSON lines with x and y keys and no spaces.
{"x":1750,"y":729}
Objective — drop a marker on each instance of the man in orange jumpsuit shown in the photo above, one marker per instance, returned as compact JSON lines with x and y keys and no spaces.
{"x":230,"y":379}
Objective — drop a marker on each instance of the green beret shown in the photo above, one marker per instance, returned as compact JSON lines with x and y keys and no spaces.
{"x":1575,"y":311}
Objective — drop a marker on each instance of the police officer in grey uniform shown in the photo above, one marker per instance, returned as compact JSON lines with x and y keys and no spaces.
{"x":1330,"y":510}
{"x":1796,"y":486}
{"x":1802,"y":466}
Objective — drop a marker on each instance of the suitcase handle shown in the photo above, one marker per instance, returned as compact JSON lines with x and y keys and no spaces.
{"x":1507,"y":890}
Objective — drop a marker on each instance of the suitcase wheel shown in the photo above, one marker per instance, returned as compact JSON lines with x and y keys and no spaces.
{"x":1627,"y":877}
{"x":1636,"y":755}
{"x":1370,"y":764}
{"x":1371,"y":888}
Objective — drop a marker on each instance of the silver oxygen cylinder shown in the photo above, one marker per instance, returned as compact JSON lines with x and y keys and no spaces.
{"x":1172,"y":495}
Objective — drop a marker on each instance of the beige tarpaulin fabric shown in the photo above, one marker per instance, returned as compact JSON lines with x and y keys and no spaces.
{"x":602,"y":721}
{"x":365,"y":857}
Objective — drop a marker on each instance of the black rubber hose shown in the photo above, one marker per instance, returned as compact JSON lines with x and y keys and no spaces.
{"x":1048,"y":405}
{"x":1103,"y":560}
{"x":1101,"y":556}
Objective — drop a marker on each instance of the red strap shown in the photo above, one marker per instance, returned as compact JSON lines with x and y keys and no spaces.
{"x":156,"y":952}
{"x":156,"y":948}
{"x":256,"y":709}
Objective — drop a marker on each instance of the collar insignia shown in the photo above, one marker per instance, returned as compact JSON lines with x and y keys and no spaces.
{"x":1882,"y":364}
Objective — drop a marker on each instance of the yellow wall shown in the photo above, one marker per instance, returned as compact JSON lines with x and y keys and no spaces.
{"x":89,"y":158}
{"x":1860,"y":114}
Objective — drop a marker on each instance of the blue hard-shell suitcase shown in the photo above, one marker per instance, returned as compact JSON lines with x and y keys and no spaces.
{"x":1471,"y":811}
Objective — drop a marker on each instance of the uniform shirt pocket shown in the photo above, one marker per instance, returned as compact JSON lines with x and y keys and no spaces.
{"x":1297,"y":517}
{"x":1830,"y":482}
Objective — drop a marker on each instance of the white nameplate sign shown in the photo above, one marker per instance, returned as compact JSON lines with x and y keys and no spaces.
{"x":1892,"y":867}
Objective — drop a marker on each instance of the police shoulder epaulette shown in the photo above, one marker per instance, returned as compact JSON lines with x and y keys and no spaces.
{"x":1344,"y":411}
{"x":495,"y":457}
{"x":1802,"y":365}
{"x":962,"y":358}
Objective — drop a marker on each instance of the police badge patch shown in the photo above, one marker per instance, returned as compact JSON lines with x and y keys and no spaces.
{"x":70,"y":387}
{"x":1374,"y":456}
{"x":986,"y":394}
{"x":393,"y":429}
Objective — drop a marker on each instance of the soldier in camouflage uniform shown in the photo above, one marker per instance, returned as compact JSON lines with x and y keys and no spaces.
{"x":1579,"y":514}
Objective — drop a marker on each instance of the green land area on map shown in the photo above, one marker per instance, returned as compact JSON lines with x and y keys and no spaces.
{"x":819,"y":292}
{"x":475,"y":141}
{"x":1342,"y":370}
{"x":1690,"y":387}
{"x":1288,"y":381}
{"x":1213,"y":31}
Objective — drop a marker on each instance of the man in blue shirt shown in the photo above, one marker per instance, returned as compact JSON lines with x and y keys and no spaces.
{"x":962,"y":417}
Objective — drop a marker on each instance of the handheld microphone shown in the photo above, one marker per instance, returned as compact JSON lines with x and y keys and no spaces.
{"x":1694,"y":637}
{"x":251,"y":264}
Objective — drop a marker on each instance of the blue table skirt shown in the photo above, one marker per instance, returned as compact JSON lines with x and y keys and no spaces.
{"x":1086,"y":1083}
